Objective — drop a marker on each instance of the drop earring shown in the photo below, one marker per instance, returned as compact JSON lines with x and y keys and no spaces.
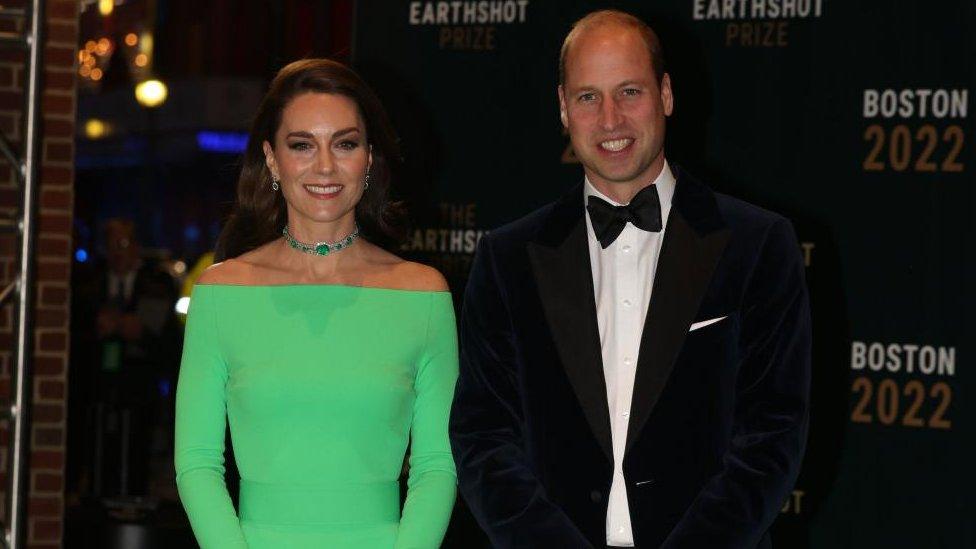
{"x":274,"y":184}
{"x":368,"y":166}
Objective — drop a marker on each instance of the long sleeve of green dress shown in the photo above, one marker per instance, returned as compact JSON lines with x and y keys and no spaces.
{"x":432,"y":479}
{"x":200,"y":426}
{"x":323,"y":387}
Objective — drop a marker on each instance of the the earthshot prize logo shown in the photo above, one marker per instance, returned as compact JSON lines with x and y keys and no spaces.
{"x":756,"y":23}
{"x":450,"y":245}
{"x":469,"y":25}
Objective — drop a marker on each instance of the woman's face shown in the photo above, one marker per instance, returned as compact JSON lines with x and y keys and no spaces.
{"x":320,"y":157}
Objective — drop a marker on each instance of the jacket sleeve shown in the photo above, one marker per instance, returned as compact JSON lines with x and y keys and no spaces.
{"x":494,"y":476}
{"x":738,"y":505}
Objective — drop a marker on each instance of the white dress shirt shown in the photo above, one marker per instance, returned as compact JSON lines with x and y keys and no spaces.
{"x":121,"y":287}
{"x":623,"y":275}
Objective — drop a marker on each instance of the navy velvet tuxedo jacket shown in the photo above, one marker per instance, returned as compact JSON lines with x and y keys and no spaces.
{"x":719,"y":416}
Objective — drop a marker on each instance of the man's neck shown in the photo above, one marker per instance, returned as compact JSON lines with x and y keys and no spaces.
{"x":624,"y":192}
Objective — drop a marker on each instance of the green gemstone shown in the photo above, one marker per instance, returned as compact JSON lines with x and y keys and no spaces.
{"x":323,"y":248}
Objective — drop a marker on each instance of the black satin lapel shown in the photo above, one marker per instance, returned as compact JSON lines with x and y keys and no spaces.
{"x":562,"y":273}
{"x":683,"y":273}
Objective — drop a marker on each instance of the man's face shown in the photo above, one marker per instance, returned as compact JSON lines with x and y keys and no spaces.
{"x":613,"y":106}
{"x":121,"y":246}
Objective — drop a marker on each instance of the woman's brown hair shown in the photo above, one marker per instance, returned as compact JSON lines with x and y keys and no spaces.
{"x":260,"y":213}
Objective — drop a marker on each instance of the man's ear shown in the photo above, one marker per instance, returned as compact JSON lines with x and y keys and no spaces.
{"x":563,"y":117}
{"x":667,"y":96}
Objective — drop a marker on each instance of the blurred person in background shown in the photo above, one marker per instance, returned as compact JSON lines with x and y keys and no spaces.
{"x":125,"y":355}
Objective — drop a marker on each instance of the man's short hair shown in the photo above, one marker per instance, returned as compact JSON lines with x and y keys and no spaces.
{"x":119,"y":224}
{"x":614,"y":17}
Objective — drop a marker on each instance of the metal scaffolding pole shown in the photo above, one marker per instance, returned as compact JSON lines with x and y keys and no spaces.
{"x":22,"y":288}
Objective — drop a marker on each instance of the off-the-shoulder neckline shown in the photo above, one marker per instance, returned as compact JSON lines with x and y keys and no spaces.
{"x":343,"y":286}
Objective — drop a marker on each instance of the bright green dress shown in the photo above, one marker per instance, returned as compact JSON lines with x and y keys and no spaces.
{"x":324,"y":386}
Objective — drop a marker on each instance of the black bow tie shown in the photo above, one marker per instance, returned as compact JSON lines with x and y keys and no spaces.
{"x":644,"y":212}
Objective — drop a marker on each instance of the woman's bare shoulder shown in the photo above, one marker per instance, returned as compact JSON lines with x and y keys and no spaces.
{"x":245,"y":269}
{"x":395,"y":272}
{"x":231,"y":271}
{"x":411,"y":275}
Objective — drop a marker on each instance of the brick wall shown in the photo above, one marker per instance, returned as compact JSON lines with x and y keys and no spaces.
{"x":53,"y":267}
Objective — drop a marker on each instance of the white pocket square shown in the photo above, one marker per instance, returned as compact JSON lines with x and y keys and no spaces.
{"x":704,"y":323}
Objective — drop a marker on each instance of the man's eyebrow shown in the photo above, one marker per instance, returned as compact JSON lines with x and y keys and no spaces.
{"x":580,"y":89}
{"x":630,"y":83}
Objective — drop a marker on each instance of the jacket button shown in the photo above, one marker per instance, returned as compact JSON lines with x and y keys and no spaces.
{"x":596,"y":496}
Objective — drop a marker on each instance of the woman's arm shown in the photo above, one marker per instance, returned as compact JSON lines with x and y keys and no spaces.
{"x":201,"y":419}
{"x":432,"y":483}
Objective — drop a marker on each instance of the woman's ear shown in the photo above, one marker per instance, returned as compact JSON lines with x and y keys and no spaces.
{"x":269,"y":159}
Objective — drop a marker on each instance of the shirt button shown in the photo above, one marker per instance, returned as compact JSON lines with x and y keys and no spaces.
{"x":625,"y":414}
{"x":626,"y":303}
{"x":620,"y":530}
{"x":627,"y":361}
{"x":626,"y":249}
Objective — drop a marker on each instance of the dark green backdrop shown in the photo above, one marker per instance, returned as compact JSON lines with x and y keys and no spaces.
{"x":775,"y":103}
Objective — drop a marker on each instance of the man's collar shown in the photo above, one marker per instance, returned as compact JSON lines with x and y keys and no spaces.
{"x":665,"y":183}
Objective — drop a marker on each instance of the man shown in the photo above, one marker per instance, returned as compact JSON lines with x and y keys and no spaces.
{"x":631,"y":375}
{"x":126,"y":346}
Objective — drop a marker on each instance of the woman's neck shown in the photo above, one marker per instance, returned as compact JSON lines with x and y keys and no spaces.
{"x":313,"y":233}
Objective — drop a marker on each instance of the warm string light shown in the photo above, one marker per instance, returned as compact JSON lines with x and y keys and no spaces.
{"x":95,"y":128}
{"x":151,"y":93}
{"x":92,"y":58}
{"x":103,"y":46}
{"x":146,"y":42}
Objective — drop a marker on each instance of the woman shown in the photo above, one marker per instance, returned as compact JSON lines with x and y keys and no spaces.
{"x":325,"y":352}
